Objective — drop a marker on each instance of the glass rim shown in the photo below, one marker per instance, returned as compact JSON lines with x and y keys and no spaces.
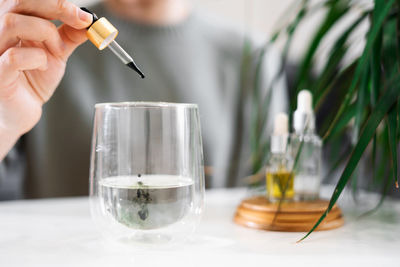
{"x":144,"y":104}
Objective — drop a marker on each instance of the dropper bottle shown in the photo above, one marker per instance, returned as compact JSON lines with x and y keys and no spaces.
{"x":279,"y":166}
{"x":308,"y":169}
{"x":102,"y":34}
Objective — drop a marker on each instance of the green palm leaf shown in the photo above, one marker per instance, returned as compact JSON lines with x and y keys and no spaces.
{"x":337,"y":52}
{"x":337,"y":10}
{"x":381,"y":109}
{"x":379,"y":18}
{"x":393,"y":123}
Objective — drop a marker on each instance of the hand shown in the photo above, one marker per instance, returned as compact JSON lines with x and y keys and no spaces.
{"x":33,"y":55}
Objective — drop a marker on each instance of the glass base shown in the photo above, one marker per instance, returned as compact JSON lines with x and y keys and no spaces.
{"x":146,"y":239}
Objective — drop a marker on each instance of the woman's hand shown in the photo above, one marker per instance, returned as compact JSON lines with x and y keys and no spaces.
{"x":33,"y":55}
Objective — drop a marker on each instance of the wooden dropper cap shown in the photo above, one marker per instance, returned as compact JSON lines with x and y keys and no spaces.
{"x":101,"y":33}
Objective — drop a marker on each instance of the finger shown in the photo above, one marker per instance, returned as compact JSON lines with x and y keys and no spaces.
{"x":16,"y":27}
{"x":17,"y":59}
{"x":72,"y":38}
{"x":49,"y":9}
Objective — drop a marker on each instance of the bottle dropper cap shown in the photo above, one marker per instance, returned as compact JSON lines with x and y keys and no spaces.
{"x":304,"y":101}
{"x":101,"y":32}
{"x":281,"y":124}
{"x":280,"y":135}
{"x":303,"y":117}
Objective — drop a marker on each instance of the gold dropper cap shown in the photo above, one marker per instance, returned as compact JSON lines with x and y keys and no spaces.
{"x":101,"y":33}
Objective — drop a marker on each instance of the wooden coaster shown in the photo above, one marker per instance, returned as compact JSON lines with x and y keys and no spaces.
{"x":259,"y":213}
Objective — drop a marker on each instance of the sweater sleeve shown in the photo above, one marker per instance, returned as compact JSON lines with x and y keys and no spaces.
{"x":12,"y":169}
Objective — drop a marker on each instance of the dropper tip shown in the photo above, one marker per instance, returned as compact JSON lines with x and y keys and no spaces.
{"x":133,"y":66}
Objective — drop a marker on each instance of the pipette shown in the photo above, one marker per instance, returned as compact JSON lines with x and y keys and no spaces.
{"x":102,"y":34}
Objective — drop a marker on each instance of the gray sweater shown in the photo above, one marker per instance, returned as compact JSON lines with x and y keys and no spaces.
{"x":196,"y":61}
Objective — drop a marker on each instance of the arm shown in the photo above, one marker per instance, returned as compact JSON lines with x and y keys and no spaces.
{"x":33,"y":55}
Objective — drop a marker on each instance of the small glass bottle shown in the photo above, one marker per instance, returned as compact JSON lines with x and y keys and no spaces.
{"x":308,"y":169}
{"x":279,"y":176}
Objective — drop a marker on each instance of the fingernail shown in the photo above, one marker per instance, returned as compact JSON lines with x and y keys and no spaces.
{"x":84,"y":16}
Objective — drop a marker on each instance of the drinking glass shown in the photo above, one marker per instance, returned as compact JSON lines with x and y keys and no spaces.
{"x":147,"y":171}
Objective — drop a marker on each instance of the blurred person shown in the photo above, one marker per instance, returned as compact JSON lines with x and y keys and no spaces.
{"x":186,"y":55}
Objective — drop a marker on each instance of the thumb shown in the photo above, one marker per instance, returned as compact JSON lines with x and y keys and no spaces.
{"x":72,"y":39}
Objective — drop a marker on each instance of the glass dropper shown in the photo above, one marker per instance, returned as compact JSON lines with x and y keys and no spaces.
{"x":124,"y":57}
{"x":102,"y":34}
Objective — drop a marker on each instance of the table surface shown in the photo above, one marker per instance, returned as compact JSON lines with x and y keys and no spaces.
{"x":59,"y":232}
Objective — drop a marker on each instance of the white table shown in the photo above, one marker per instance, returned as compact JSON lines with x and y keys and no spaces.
{"x":59,"y":232}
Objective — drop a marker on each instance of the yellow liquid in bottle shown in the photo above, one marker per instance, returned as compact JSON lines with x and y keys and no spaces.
{"x":277,"y":182}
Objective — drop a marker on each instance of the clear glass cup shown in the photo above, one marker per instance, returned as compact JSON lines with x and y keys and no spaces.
{"x":147,"y":171}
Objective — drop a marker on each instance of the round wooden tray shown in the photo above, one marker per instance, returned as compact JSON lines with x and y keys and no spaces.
{"x":259,"y":213}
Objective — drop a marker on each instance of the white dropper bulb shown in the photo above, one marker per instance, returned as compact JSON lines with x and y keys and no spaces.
{"x":303,"y":118}
{"x":280,"y":134}
{"x":304,"y":101}
{"x":281,"y":124}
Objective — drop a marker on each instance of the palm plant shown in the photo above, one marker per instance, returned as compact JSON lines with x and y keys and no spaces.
{"x":366,"y":90}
